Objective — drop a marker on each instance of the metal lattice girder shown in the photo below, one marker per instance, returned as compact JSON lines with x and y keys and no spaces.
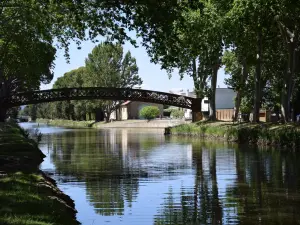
{"x":87,"y":93}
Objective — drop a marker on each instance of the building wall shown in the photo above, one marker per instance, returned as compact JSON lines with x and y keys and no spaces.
{"x":224,"y":114}
{"x":225,"y":98}
{"x":188,"y":114}
{"x":124,"y":112}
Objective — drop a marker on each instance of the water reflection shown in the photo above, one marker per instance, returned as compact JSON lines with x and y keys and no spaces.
{"x":141,"y":177}
{"x":199,"y":204}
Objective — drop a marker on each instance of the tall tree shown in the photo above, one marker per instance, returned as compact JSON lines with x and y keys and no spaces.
{"x":250,"y":31}
{"x":287,"y":19}
{"x":107,"y":67}
{"x":194,"y":46}
{"x":238,"y":72}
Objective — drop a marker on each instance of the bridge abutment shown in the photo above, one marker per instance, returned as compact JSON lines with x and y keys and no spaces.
{"x":197,"y":116}
{"x":196,"y":110}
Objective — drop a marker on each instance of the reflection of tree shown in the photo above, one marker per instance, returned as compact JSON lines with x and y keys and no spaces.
{"x":265,"y":190}
{"x":202,"y":206}
{"x":96,"y":158}
{"x":216,"y":205}
{"x":102,"y":159}
{"x":262,"y":187}
{"x":108,"y":195}
{"x":260,"y":193}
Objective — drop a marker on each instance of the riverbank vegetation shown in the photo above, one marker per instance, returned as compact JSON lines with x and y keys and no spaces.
{"x":266,"y":134}
{"x":70,"y":123}
{"x":27,"y":195}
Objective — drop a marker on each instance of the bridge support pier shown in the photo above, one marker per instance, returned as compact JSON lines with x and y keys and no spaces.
{"x":196,"y":109}
{"x":196,"y":116}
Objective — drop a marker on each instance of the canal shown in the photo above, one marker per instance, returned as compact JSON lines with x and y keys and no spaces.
{"x":136,"y":176}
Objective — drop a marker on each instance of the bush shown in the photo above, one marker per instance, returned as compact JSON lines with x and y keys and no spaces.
{"x":149,"y":112}
{"x":177,"y":114}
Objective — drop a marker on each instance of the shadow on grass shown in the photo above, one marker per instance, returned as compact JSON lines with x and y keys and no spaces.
{"x":28,"y":199}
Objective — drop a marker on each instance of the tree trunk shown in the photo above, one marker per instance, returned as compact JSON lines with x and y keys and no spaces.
{"x":4,"y":92}
{"x":239,"y":94}
{"x":284,"y":106}
{"x":287,"y":91}
{"x":257,"y":80}
{"x":216,"y":206}
{"x":33,"y":112}
{"x":197,"y":158}
{"x":237,"y":106}
{"x":199,"y":89}
{"x":212,"y":101}
{"x":3,"y":113}
{"x":107,"y":116}
{"x":290,"y":39}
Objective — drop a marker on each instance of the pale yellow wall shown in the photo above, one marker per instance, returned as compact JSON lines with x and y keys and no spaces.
{"x":124,"y":112}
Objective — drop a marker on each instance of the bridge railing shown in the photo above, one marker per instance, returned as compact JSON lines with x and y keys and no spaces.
{"x":87,"y":93}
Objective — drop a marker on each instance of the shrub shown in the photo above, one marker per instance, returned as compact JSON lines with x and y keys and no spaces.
{"x":149,"y":112}
{"x":177,"y":114}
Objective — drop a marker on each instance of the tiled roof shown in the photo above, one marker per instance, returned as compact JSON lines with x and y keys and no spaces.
{"x":126,"y":103}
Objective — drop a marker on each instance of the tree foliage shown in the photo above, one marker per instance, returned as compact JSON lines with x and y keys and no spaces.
{"x":256,"y":41}
{"x":177,"y":114}
{"x":194,"y":47}
{"x":260,"y":40}
{"x":28,"y":30}
{"x":149,"y":112}
{"x":106,"y":66}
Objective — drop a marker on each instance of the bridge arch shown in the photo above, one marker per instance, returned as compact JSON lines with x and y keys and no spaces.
{"x":94,"y":93}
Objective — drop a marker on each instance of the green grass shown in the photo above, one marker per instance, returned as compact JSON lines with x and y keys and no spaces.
{"x":17,"y":148}
{"x":25,"y":200}
{"x":284,"y":135}
{"x":69,"y":123}
{"x":26,"y":197}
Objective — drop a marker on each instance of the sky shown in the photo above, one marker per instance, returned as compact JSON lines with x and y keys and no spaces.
{"x":153,"y":77}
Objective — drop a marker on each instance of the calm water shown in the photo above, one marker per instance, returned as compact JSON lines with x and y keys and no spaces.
{"x":123,"y":176}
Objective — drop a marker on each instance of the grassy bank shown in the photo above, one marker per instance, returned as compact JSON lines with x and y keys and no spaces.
{"x":137,"y":123}
{"x":27,"y":195}
{"x":69,"y":123}
{"x":262,"y":134}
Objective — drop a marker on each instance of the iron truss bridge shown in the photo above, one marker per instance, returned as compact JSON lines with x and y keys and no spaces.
{"x":94,"y":93}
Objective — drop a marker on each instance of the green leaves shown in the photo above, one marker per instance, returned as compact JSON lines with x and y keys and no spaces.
{"x":149,"y":112}
{"x":106,"y":66}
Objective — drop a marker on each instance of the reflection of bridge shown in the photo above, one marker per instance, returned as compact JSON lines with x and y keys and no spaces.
{"x":89,"y":93}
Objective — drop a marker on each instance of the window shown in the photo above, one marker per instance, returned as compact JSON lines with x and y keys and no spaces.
{"x":206,"y":101}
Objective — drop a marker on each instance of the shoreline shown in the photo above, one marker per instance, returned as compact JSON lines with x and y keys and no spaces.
{"x":264,"y":134}
{"x":22,"y":182}
{"x":116,"y":124}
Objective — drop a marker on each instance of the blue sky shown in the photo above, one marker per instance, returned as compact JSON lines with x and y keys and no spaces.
{"x":153,"y":77}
